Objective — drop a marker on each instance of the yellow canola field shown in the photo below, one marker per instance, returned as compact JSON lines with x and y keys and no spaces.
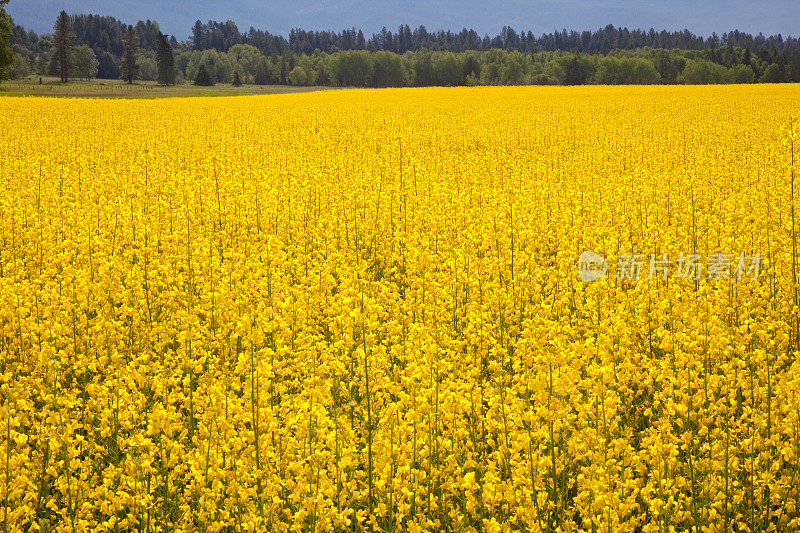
{"x":362,"y":310}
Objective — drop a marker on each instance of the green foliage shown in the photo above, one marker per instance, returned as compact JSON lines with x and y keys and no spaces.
{"x":471,"y":66}
{"x":388,"y":70}
{"x":262,"y":73}
{"x":85,"y":62}
{"x":543,"y":79}
{"x":322,"y":69}
{"x":743,"y":74}
{"x":6,"y":55}
{"x":245,"y":56}
{"x":20,"y":68}
{"x":298,"y":76}
{"x":419,"y":58}
{"x":514,"y":71}
{"x":148,"y":66}
{"x":626,"y":70}
{"x":165,"y":60}
{"x":668,"y":63}
{"x":702,"y":72}
{"x":352,"y":68}
{"x":448,"y":69}
{"x":422,"y":67}
{"x":578,"y":69}
{"x":216,"y":63}
{"x":486,"y":62}
{"x":130,"y":65}
{"x":203,"y":78}
{"x":772,"y":74}
{"x":64,"y":46}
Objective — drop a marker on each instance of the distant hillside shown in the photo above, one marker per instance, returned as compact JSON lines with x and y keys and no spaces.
{"x":486,"y":16}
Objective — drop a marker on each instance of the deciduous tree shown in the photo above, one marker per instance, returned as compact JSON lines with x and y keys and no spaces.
{"x":85,"y":62}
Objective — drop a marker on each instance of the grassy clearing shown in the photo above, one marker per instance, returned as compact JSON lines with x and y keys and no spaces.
{"x":51,"y":86}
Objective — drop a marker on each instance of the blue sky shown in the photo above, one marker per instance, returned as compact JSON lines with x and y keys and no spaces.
{"x":486,"y":16}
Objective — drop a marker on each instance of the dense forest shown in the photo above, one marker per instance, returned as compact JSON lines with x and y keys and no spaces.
{"x":416,"y":57}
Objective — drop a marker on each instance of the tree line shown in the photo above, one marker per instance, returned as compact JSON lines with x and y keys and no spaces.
{"x":87,"y":46}
{"x":222,"y":36}
{"x":360,"y":68}
{"x":6,"y":56}
{"x":68,"y":60}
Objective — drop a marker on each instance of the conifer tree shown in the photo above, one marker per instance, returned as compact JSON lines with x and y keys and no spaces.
{"x":166,"y":61}
{"x":6,"y":57}
{"x":130,"y":68}
{"x":203,"y":78}
{"x":64,"y":46}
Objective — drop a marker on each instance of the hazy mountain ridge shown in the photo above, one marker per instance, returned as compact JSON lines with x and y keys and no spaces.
{"x":279,"y":16}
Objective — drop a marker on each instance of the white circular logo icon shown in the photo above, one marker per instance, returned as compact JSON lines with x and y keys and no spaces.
{"x":591,"y":267}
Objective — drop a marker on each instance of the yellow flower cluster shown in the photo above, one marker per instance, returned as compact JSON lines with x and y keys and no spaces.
{"x":361,"y":310}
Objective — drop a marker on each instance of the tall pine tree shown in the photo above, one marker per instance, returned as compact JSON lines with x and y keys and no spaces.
{"x":6,"y":57}
{"x":130,"y":68}
{"x":166,"y":61}
{"x":64,"y":46}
